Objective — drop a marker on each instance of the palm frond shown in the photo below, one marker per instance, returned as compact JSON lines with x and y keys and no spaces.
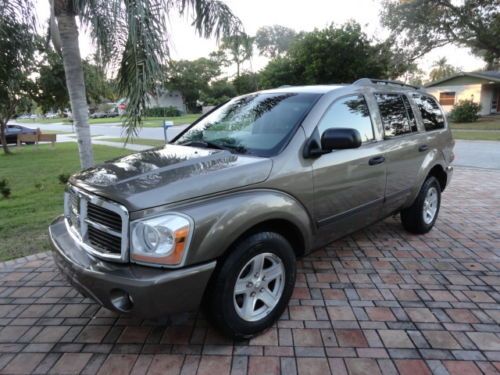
{"x":21,"y":11}
{"x":146,"y":49}
{"x":106,"y":22}
{"x":141,"y":65}
{"x":211,"y":17}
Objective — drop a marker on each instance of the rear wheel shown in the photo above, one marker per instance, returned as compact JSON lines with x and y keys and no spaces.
{"x":421,"y":216}
{"x":252,"y":286}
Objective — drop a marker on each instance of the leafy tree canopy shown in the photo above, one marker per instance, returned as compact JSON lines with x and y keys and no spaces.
{"x":17,"y":63}
{"x":192,"y":78}
{"x":274,"y":41}
{"x":441,"y":69}
{"x":331,"y":55}
{"x":218,"y":92}
{"x":239,"y":47}
{"x":52,"y":92}
{"x":422,"y":25}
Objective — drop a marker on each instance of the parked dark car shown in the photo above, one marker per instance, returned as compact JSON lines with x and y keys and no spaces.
{"x":14,"y":130}
{"x":98,"y":115}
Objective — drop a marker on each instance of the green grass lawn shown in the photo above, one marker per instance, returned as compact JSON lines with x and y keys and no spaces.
{"x":137,"y":141}
{"x":481,"y":135}
{"x":36,"y":193}
{"x":484,"y":123}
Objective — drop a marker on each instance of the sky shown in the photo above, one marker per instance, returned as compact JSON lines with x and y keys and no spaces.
{"x":299,"y":15}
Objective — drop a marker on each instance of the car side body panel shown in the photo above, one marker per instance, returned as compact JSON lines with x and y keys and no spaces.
{"x":220,"y":221}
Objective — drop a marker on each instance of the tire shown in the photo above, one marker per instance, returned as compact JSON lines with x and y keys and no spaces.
{"x":232,"y":312}
{"x":417,"y":218}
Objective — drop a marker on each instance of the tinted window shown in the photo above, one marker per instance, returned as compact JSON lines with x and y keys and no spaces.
{"x":411,"y":115}
{"x":432,"y":116}
{"x":258,"y":124}
{"x":349,"y":112}
{"x":394,"y":115}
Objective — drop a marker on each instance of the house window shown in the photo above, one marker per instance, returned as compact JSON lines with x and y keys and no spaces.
{"x":447,"y":98}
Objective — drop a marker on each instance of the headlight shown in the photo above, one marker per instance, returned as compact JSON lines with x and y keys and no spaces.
{"x":161,"y":240}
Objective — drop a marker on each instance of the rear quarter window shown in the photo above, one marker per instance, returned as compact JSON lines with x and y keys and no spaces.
{"x":397,"y":116}
{"x":432,"y":116}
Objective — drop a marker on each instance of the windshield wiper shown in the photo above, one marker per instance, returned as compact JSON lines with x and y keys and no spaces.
{"x":209,"y":144}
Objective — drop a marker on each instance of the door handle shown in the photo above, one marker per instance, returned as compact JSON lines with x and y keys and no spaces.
{"x":376,"y":160}
{"x":423,"y":148}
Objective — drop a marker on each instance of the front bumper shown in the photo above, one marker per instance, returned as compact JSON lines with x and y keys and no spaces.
{"x":449,"y":174}
{"x":127,"y":288}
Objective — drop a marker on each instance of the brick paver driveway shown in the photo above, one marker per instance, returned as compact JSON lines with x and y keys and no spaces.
{"x":380,"y":301}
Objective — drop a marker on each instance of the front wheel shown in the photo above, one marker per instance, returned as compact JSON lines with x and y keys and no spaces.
{"x":420,"y":217}
{"x":253,"y":285}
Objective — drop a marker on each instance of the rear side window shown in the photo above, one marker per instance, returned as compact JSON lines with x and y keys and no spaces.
{"x":432,"y":116}
{"x":395,"y":115}
{"x":349,"y":112}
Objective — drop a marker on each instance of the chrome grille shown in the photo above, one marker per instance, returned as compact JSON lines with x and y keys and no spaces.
{"x":101,"y":226}
{"x":105,"y":217}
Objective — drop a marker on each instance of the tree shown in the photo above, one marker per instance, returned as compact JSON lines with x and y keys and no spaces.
{"x":441,"y":69}
{"x":129,"y":34}
{"x":239,"y":47}
{"x":17,"y":48}
{"x":331,"y":55}
{"x":218,"y":92}
{"x":278,"y":72}
{"x":191,"y":78}
{"x":53,"y":93}
{"x":274,"y":41}
{"x":423,"y":25}
{"x":246,"y":82}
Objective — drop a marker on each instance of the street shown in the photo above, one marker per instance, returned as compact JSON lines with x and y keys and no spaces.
{"x":475,"y":154}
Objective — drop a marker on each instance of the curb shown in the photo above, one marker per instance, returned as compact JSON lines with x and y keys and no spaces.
{"x":28,"y":258}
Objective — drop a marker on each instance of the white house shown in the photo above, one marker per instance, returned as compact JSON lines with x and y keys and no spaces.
{"x":166,"y":98}
{"x":481,"y":87}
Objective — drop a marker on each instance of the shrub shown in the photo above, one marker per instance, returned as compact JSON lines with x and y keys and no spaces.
{"x":465,"y":111}
{"x":4,"y":188}
{"x":63,"y":178}
{"x":162,"y":112}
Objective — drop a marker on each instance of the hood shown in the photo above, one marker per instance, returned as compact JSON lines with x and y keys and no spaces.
{"x":171,"y":174}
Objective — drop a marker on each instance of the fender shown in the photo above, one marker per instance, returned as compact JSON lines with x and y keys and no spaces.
{"x":434,"y":157}
{"x":220,"y":221}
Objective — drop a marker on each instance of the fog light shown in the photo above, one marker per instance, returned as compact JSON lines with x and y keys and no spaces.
{"x":121,"y":300}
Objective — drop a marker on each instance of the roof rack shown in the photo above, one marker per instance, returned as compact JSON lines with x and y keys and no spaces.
{"x":371,"y":81}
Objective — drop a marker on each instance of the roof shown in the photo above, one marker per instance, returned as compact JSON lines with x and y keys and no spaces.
{"x":490,"y":75}
{"x":312,"y":89}
{"x":322,"y":89}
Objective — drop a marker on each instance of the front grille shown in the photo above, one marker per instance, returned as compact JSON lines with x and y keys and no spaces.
{"x":100,"y":225}
{"x":104,"y":241}
{"x":105,"y":217}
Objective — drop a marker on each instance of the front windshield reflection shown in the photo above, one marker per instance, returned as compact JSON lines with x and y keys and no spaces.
{"x":258,"y":124}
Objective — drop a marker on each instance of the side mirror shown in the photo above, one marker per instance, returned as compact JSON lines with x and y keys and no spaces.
{"x":339,"y":139}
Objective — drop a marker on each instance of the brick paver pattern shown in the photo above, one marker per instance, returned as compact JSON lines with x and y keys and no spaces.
{"x":381,"y":301}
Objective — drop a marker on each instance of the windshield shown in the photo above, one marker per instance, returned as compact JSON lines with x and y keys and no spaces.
{"x":257,"y":124}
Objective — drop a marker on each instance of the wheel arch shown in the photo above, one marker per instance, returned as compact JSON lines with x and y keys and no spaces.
{"x":225,"y":220}
{"x":439,"y":173}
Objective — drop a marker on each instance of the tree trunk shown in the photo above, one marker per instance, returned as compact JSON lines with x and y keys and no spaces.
{"x":3,"y":137}
{"x":73,"y":70}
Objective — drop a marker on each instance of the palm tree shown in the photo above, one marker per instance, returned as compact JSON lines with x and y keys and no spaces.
{"x":441,"y":69}
{"x":131,"y":37}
